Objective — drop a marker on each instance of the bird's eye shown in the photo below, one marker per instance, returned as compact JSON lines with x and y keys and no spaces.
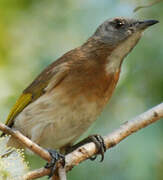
{"x":118,"y":23}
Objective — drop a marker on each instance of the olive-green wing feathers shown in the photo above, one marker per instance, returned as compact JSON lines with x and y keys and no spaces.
{"x":20,"y":104}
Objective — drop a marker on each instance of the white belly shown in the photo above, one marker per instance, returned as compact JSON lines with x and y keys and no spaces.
{"x":53,"y":122}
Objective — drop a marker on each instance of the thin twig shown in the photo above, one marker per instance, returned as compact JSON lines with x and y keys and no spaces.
{"x":88,"y":150}
{"x":146,"y":6}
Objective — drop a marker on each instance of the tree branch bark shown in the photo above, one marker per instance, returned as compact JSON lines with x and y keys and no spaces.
{"x":88,"y":150}
{"x":147,"y":5}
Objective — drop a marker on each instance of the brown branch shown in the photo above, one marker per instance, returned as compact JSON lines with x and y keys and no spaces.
{"x":148,"y":5}
{"x":89,"y":149}
{"x":116,"y":136}
{"x":26,"y":142}
{"x":45,"y":172}
{"x":36,"y":174}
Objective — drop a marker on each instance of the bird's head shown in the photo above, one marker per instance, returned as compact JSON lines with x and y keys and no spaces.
{"x":115,"y":38}
{"x":117,"y":30}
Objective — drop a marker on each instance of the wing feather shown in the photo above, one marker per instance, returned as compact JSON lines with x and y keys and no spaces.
{"x":46,"y":81}
{"x":20,"y":104}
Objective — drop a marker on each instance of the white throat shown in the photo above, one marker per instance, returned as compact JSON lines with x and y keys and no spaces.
{"x":116,"y":57}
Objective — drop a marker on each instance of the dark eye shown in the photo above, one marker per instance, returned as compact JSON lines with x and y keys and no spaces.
{"x":118,"y":23}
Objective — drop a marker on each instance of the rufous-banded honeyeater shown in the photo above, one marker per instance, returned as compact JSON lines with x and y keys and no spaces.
{"x":69,"y":95}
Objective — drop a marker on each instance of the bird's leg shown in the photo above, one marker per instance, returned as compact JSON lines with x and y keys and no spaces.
{"x":56,"y":156}
{"x":99,"y":142}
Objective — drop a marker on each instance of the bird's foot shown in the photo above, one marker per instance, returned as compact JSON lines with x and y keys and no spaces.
{"x":56,"y":156}
{"x":99,"y":142}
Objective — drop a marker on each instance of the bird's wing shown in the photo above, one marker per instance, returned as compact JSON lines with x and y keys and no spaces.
{"x":47,"y":80}
{"x":20,"y":104}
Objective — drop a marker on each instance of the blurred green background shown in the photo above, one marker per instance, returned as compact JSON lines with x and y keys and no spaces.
{"x":33,"y":33}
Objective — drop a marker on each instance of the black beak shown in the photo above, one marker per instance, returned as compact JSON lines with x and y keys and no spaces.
{"x":144,"y":24}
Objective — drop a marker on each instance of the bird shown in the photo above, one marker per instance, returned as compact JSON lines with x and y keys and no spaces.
{"x":68,"y":96}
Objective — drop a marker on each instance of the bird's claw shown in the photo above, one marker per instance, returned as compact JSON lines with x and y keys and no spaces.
{"x":99,"y":142}
{"x":55,"y":158}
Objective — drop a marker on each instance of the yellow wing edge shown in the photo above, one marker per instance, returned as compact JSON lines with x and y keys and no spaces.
{"x":20,"y":104}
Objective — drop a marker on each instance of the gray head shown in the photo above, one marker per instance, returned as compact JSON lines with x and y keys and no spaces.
{"x":114,"y":31}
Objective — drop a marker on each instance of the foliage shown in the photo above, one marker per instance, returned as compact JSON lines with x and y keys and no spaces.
{"x":12,"y":164}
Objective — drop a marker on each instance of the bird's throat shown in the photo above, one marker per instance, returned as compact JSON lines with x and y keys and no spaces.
{"x":115,"y":58}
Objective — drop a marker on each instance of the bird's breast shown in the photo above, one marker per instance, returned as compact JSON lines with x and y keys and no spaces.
{"x":54,"y":120}
{"x":59,"y":117}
